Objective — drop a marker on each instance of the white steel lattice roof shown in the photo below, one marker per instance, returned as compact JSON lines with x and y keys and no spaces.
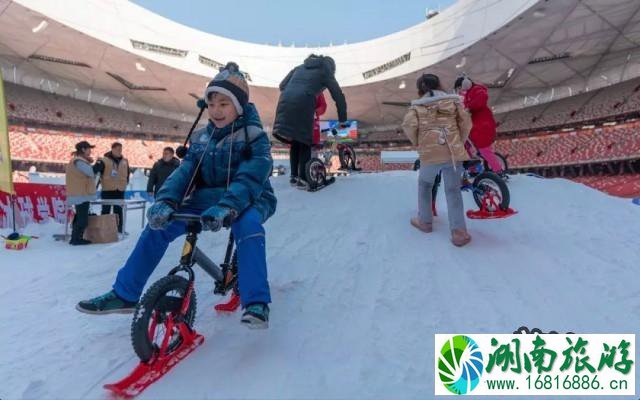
{"x":529,"y":51}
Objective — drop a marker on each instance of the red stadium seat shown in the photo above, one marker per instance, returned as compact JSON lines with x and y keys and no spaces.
{"x":52,"y":146}
{"x":618,"y":142}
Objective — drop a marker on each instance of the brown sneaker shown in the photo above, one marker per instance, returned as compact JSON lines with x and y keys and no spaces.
{"x":424,"y":227}
{"x":460,"y":237}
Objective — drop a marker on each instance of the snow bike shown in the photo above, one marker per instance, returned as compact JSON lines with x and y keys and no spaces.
{"x":489,"y":191}
{"x":162,"y":332}
{"x":317,"y":168}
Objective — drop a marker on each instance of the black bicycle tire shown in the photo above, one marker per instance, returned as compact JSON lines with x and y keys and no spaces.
{"x":504,"y":189}
{"x":314,"y":183}
{"x":142,"y":345}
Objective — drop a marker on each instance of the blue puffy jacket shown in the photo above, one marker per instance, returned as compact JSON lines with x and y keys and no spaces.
{"x":226,"y":177}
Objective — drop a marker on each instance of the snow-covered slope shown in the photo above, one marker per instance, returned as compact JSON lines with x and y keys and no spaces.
{"x":357,"y":294}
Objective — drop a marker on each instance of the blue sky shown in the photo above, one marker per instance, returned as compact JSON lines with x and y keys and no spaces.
{"x":301,"y":21}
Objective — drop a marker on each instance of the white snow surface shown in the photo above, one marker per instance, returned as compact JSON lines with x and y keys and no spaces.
{"x":357,"y":294}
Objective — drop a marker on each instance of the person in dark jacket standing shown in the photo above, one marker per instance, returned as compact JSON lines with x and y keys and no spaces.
{"x":297,"y":106}
{"x":161,"y":170}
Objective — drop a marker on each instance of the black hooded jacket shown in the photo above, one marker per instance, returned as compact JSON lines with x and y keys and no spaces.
{"x":297,"y":103}
{"x":160,"y":172}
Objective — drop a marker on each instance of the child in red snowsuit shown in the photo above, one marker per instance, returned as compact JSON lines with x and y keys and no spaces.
{"x":483,"y":132}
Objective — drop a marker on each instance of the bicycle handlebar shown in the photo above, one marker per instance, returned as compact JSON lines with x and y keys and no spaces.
{"x":185,"y":217}
{"x":197,"y":218}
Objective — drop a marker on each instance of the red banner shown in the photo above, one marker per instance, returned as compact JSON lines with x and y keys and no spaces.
{"x":33,"y":203}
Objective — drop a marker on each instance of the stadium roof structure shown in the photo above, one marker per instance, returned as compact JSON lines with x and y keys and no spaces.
{"x":117,"y":53}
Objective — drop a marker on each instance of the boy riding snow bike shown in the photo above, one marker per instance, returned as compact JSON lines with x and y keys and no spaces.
{"x":223,"y":181}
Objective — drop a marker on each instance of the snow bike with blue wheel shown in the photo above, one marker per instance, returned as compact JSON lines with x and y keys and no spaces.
{"x":489,"y":191}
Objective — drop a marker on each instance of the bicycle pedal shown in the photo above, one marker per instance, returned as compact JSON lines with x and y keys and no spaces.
{"x":218,"y":288}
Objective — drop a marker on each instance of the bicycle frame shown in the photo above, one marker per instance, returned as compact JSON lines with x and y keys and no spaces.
{"x":330,"y":147}
{"x":474,"y":166}
{"x":467,"y":165}
{"x":224,"y":275}
{"x":326,"y":150}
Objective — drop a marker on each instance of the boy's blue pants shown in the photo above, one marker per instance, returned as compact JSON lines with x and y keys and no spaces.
{"x":249,"y":236}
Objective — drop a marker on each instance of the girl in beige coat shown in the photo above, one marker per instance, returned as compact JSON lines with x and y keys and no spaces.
{"x":438,"y":126}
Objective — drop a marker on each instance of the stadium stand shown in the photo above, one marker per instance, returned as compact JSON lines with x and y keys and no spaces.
{"x":549,"y":139}
{"x":621,"y":186}
{"x":26,"y":105}
{"x":561,"y":148}
{"x":521,"y":119}
{"x":615,"y":102}
{"x":606,"y":158}
{"x":52,"y":146}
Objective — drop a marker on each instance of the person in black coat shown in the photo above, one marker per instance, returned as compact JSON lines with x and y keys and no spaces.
{"x":296,"y":108}
{"x":161,"y":170}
